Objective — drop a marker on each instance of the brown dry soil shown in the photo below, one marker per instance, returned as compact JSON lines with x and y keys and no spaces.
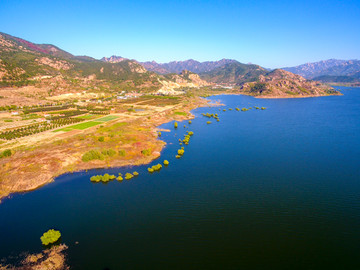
{"x":49,"y":259}
{"x":38,"y":159}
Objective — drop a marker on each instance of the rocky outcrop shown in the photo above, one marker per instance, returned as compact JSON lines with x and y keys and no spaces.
{"x":135,"y":67}
{"x":54,"y":63}
{"x":113,"y":59}
{"x":283,"y":84}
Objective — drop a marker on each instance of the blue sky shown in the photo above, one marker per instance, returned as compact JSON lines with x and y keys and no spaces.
{"x":269,"y":33}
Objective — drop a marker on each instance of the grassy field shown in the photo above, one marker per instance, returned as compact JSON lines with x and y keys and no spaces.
{"x":107,"y":118}
{"x":87,"y":116}
{"x":180,"y":113}
{"x":86,"y":125}
{"x":80,"y":126}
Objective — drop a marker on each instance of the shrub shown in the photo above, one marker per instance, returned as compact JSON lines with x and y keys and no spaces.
{"x":96,"y":178}
{"x":128,"y":176}
{"x":92,"y":155}
{"x":101,"y":139}
{"x":119,"y":178}
{"x":122,"y":153}
{"x":135,"y":173}
{"x":156,"y":167}
{"x":108,"y":152}
{"x":175,"y":125}
{"x":50,"y":237}
{"x":146,"y":152}
{"x":180,"y":152}
{"x":208,"y":122}
{"x":102,"y":178}
{"x":6,"y":153}
{"x":159,"y":134}
{"x":166,"y":163}
{"x":106,"y":178}
{"x":263,"y":108}
{"x":189,"y":121}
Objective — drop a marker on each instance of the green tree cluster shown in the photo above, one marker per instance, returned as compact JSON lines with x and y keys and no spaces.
{"x":154,"y":168}
{"x":128,"y":176}
{"x":108,"y":152}
{"x":146,"y":152}
{"x":102,"y":178}
{"x":97,"y":155}
{"x":6,"y":153}
{"x":50,"y":237}
{"x":92,"y":155}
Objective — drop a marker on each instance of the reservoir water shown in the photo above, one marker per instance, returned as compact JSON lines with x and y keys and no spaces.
{"x":262,"y":189}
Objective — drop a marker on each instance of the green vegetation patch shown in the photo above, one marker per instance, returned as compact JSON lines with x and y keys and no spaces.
{"x":50,"y":237}
{"x":6,"y":153}
{"x":97,"y":155}
{"x":180,"y":113}
{"x":154,"y":168}
{"x":102,"y":178}
{"x":81,"y":126}
{"x":87,"y":116}
{"x":107,"y":118}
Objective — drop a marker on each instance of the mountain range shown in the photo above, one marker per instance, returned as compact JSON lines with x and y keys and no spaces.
{"x":45,"y":65}
{"x":176,"y":66}
{"x":330,"y":71}
{"x":231,"y":71}
{"x":25,"y":63}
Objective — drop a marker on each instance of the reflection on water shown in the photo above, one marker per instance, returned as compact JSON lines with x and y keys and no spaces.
{"x":272,"y":189}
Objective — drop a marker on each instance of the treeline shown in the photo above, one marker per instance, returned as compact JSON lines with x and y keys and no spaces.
{"x":47,"y":109}
{"x":37,"y":128}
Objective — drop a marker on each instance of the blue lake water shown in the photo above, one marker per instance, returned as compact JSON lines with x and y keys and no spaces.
{"x":271,"y":189}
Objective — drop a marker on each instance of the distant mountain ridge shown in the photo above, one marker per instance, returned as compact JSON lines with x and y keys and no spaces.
{"x":191,"y":65}
{"x":234,"y":73}
{"x":331,"y":70}
{"x":175,"y":66}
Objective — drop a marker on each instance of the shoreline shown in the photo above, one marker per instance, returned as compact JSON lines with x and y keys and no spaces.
{"x":70,"y":167}
{"x":45,"y":177}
